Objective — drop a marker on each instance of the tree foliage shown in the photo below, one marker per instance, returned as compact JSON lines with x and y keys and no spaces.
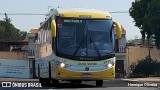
{"x":145,"y":67}
{"x":146,"y":15}
{"x":9,"y":33}
{"x":154,"y":19}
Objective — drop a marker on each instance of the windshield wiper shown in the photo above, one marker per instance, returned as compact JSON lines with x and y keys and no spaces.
{"x":81,"y":42}
{"x":78,"y":48}
{"x":95,"y":46}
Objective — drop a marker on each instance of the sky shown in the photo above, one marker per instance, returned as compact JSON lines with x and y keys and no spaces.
{"x":27,"y":22}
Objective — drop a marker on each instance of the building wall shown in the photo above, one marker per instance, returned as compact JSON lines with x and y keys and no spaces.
{"x":120,"y":44}
{"x":19,"y":55}
{"x":11,"y":68}
{"x":122,"y":41}
{"x":135,"y":53}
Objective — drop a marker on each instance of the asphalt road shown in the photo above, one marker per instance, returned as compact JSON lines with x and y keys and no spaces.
{"x":116,"y":84}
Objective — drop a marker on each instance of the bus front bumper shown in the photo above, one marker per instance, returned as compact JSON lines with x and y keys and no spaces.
{"x":63,"y":74}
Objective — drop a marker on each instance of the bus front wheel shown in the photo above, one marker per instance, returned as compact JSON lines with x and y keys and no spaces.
{"x":99,"y":83}
{"x":55,"y":82}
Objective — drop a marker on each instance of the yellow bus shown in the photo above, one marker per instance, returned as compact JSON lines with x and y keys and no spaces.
{"x":76,"y":45}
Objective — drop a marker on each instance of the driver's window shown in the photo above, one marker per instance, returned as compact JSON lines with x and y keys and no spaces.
{"x":66,"y":36}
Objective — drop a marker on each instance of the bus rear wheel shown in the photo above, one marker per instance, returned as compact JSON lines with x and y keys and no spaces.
{"x":44,"y":81}
{"x":41,"y":80}
{"x":99,"y":83}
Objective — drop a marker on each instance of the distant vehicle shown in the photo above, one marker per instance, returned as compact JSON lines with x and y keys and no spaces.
{"x":76,"y":45}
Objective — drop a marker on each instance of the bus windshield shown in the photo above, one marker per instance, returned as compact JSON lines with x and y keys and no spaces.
{"x":85,"y":38}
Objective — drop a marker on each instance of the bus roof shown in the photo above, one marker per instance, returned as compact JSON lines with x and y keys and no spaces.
{"x":77,"y":13}
{"x":82,"y":13}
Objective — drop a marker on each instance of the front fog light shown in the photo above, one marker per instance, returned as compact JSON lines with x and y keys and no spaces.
{"x":62,"y":65}
{"x":109,"y":65}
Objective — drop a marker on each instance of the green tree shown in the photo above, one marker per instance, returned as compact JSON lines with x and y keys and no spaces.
{"x":8,"y":32}
{"x":153,"y":19}
{"x":22,"y":35}
{"x":138,"y":12}
{"x":146,"y":15}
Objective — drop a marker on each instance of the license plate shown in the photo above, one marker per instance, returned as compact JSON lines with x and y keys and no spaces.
{"x":87,"y":75}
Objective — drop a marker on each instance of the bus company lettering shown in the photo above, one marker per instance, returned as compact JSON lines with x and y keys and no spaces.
{"x":107,"y":61}
{"x":72,"y":21}
{"x":88,"y":63}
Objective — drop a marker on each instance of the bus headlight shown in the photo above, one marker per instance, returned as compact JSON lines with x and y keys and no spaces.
{"x":62,"y":65}
{"x":109,"y":65}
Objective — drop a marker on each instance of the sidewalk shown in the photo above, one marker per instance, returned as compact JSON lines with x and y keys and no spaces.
{"x":17,"y":79}
{"x":149,"y":79}
{"x":155,"y":80}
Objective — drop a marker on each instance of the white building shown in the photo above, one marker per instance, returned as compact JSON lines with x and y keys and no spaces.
{"x":121,"y":54}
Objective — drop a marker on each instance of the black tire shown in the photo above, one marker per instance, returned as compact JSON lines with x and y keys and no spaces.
{"x":47,"y":81}
{"x":41,"y":80}
{"x":55,"y":82}
{"x":78,"y":82}
{"x":73,"y":82}
{"x":99,"y":83}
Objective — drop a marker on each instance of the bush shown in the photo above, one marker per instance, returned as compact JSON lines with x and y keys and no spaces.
{"x":119,"y":75}
{"x":145,"y":68}
{"x":134,"y":75}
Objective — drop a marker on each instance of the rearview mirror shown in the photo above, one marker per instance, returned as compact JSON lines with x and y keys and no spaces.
{"x":118,"y":29}
{"x":53,"y":28}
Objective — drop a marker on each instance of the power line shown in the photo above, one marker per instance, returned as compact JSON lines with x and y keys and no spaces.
{"x":22,"y":14}
{"x":46,"y":14}
{"x":120,"y":12}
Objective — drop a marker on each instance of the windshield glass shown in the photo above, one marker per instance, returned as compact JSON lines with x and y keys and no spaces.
{"x":85,"y":38}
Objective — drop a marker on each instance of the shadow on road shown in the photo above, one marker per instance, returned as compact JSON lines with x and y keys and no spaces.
{"x":69,"y":85}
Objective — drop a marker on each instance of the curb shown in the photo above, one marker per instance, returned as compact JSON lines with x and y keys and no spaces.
{"x":129,"y":80}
